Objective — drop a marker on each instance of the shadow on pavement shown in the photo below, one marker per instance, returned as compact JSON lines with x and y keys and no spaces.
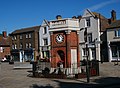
{"x":36,"y":86}
{"x":107,"y":82}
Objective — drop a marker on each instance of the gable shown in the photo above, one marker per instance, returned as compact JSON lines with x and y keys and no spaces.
{"x":88,"y":13}
{"x":45,"y":23}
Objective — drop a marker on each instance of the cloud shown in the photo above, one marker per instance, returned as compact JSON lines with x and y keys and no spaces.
{"x":103,"y":4}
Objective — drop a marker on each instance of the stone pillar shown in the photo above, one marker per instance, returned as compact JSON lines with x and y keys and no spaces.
{"x":78,"y":52}
{"x":68,"y":49}
{"x":109,"y":52}
{"x":52,"y":54}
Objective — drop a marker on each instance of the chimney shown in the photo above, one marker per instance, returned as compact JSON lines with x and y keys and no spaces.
{"x":58,"y":17}
{"x":113,"y":15}
{"x":74,"y":17}
{"x":4,"y":34}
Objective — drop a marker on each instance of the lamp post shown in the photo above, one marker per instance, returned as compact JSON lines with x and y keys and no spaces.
{"x":87,"y":53}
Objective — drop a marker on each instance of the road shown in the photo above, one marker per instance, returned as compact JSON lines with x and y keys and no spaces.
{"x":17,"y":78}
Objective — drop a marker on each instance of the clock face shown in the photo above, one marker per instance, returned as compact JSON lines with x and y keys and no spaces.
{"x":59,"y":38}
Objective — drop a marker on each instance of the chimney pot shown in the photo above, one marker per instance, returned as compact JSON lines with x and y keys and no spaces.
{"x":113,"y":15}
{"x":4,"y":34}
{"x":58,"y":17}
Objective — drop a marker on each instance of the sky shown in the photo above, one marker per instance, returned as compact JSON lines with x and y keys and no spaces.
{"x":17,"y":14}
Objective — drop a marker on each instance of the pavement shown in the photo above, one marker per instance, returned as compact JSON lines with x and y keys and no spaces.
{"x":18,"y":78}
{"x":23,"y":65}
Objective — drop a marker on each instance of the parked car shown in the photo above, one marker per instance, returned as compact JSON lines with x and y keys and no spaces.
{"x":6,"y":58}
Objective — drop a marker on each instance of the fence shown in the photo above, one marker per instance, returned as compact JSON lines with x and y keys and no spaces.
{"x":45,"y":68}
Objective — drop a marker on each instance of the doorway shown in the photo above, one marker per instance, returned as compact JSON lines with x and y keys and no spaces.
{"x":62,"y":57}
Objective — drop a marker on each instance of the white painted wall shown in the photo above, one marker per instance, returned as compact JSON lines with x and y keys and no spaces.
{"x":42,"y":35}
{"x":64,"y":24}
{"x":94,"y":29}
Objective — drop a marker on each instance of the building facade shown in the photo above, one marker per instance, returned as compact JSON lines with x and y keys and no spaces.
{"x":64,"y":36}
{"x":113,"y":41}
{"x":44,"y":41}
{"x":4,"y":45}
{"x":94,"y":24}
{"x":24,"y":44}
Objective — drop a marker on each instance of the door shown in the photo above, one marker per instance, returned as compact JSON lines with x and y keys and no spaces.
{"x":73,"y":61}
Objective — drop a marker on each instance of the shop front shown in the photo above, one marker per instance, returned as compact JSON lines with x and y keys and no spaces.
{"x":114,"y":51}
{"x":28,"y":55}
{"x":15,"y":55}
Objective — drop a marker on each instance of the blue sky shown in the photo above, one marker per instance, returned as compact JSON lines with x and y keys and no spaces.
{"x":17,"y":14}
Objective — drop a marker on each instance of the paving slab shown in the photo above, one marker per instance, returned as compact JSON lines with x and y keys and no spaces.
{"x":17,"y":78}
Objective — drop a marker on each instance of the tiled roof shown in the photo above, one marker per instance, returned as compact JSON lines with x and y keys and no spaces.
{"x":103,"y":21}
{"x":4,"y":41}
{"x":29,"y":29}
{"x":114,"y":24}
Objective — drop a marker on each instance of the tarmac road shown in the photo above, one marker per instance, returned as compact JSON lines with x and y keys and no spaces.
{"x":17,"y":78}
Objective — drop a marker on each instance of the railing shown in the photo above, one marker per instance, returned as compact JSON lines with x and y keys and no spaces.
{"x":45,"y":68}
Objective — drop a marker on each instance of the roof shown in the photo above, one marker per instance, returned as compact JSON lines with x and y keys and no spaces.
{"x":115,"y":24}
{"x":103,"y":21}
{"x":24,"y":30}
{"x":1,"y":34}
{"x":4,"y":41}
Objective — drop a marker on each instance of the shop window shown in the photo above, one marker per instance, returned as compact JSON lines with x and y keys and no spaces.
{"x":117,"y":33}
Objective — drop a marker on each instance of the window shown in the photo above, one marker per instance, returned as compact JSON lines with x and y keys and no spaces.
{"x":89,"y":37}
{"x":20,"y":36}
{"x":45,"y":30}
{"x":26,"y":35}
{"x":114,"y":51}
{"x":15,"y":46}
{"x":45,"y":41}
{"x":1,"y":49}
{"x":21,"y":45}
{"x":30,"y":45}
{"x":84,"y":52}
{"x":88,"y":22}
{"x":15,"y":37}
{"x":27,"y":45}
{"x":12,"y":38}
{"x":117,"y":33}
{"x":30,"y":35}
{"x":93,"y":53}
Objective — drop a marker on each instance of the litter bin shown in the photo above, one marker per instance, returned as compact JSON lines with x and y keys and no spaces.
{"x":94,"y":67}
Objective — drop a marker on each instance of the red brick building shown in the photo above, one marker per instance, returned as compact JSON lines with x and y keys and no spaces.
{"x":4,"y":45}
{"x":64,"y":35}
{"x":24,"y":44}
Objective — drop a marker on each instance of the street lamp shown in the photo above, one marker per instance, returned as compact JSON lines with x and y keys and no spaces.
{"x":87,"y":53}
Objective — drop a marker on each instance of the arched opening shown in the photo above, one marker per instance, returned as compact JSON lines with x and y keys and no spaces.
{"x":61,"y":56}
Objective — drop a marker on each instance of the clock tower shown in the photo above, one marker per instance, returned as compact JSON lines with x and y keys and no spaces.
{"x":64,"y":35}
